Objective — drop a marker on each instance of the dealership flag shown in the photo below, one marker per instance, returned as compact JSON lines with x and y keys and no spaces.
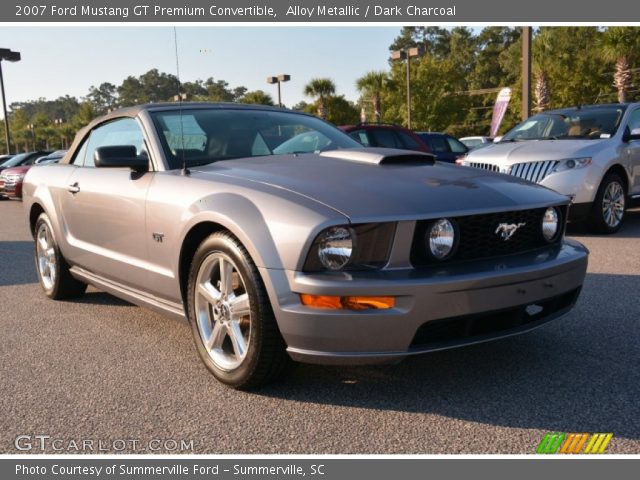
{"x":499,"y":109}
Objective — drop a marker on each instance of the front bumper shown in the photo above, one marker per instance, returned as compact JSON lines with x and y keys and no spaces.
{"x":10,"y":188}
{"x":436,"y":308}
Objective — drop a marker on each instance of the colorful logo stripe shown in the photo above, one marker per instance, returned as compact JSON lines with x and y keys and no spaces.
{"x":572,"y":443}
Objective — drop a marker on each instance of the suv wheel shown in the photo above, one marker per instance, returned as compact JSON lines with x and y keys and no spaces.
{"x":607,"y":214}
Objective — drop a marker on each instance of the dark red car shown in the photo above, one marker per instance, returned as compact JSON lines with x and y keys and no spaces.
{"x":11,"y":178}
{"x":385,"y":135}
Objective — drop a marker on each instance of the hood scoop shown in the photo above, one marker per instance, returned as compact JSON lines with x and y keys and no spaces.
{"x":381,"y":156}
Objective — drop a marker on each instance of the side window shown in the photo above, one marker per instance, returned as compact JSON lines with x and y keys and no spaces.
{"x":124,"y":131}
{"x":456,"y":145}
{"x":78,"y":158}
{"x":408,"y":141}
{"x":360,"y":136}
{"x":439,"y":144}
{"x":634,"y":120}
{"x":385,"y":138}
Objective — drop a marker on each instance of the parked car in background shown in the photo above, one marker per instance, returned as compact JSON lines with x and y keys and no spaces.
{"x":53,"y":157}
{"x":11,"y":178}
{"x":27,"y":158}
{"x":4,"y":158}
{"x":590,"y":153}
{"x":445,"y":147}
{"x":349,"y":255}
{"x":476,"y":142}
{"x":386,"y":136}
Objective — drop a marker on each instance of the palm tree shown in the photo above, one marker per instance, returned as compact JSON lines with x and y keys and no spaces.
{"x":372,"y":84}
{"x":320,"y":88}
{"x":542,"y":57}
{"x":620,"y":44}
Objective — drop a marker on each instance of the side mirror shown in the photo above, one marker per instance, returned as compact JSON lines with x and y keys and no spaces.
{"x":120,"y":156}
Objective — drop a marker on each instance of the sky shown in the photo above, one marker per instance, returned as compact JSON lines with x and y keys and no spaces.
{"x":63,"y":60}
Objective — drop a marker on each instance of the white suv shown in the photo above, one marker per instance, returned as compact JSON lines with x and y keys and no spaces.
{"x":590,"y":153}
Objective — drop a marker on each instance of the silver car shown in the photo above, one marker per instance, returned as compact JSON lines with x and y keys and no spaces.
{"x":280,"y":238}
{"x":590,"y":153}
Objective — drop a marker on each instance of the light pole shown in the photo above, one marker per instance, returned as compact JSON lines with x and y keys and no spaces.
{"x":407,"y":54}
{"x":10,"y":56}
{"x":279,"y":79}
{"x":59,"y":122}
{"x":32,"y":127}
{"x":526,"y":72}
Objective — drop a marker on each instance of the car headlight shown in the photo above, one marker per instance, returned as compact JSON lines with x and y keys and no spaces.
{"x":550,"y":224}
{"x":351,"y":247}
{"x":572,"y":164}
{"x":441,"y":238}
{"x":335,"y":247}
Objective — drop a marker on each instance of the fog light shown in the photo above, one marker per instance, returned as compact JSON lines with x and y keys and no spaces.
{"x":347,"y":303}
{"x":441,"y":238}
{"x":550,"y":224}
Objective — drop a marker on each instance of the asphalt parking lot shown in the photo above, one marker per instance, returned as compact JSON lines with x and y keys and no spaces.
{"x":101,"y":369}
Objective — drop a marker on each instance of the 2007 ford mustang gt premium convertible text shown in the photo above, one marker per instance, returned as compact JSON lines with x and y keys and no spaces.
{"x":279,"y":237}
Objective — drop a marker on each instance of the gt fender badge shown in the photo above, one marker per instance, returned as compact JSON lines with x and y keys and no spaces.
{"x":506,"y":230}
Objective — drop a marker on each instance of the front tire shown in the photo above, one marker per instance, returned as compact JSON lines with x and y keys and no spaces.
{"x":609,"y":207}
{"x":53,"y":270}
{"x":232,"y":322}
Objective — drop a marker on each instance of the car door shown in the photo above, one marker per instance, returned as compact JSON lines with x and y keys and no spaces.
{"x":104,"y":208}
{"x":633,"y":149}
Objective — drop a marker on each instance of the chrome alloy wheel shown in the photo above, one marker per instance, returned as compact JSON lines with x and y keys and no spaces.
{"x":46,"y":257}
{"x":613,"y":204}
{"x":223,"y":311}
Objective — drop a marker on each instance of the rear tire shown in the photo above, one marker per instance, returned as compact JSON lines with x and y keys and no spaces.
{"x":609,"y":208}
{"x":233,"y":325}
{"x":53,"y":270}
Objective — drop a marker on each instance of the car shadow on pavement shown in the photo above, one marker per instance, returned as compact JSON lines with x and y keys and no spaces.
{"x":17,"y":265}
{"x":575,"y":374}
{"x":100,"y":298}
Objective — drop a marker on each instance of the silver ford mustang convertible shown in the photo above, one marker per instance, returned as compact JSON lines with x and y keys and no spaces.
{"x":279,"y":238}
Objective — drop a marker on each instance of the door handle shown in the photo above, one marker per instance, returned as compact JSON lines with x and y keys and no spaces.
{"x":73,"y":188}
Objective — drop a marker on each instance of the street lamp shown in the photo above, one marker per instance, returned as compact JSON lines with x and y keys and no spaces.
{"x":10,"y":56}
{"x":59,"y":122}
{"x":407,"y":55}
{"x":279,"y":79}
{"x":32,"y":127}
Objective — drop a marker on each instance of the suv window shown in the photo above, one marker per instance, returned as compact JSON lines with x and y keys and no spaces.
{"x":408,"y":141}
{"x":360,"y":136}
{"x":123,"y":131}
{"x":439,"y":144}
{"x":456,"y":146}
{"x":634,"y":120}
{"x":384,"y":138}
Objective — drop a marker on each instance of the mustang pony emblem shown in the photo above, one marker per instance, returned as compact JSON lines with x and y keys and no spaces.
{"x":506,"y":230}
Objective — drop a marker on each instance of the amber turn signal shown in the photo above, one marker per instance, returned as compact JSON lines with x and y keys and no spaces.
{"x":347,"y":303}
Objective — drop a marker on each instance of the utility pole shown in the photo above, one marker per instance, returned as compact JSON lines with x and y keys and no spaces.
{"x":526,"y":72}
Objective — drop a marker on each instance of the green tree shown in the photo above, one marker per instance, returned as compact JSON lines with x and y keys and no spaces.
{"x":371,"y":85}
{"x":621,"y":45}
{"x":543,"y":50}
{"x":258,"y":97}
{"x":103,"y":97}
{"x":320,"y":88}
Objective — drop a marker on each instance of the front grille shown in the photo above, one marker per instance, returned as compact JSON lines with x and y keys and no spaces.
{"x":465,"y":329}
{"x":477,"y":236}
{"x":533,"y":171}
{"x":483,"y":166}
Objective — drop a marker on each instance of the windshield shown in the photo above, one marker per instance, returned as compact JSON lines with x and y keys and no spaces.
{"x":15,"y":161}
{"x":202,"y":136}
{"x":582,"y":123}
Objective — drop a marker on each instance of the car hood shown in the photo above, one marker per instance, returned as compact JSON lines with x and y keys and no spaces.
{"x":509,"y":153}
{"x":369,"y":191}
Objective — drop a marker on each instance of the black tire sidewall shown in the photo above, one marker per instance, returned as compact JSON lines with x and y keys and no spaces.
{"x":225,"y":244}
